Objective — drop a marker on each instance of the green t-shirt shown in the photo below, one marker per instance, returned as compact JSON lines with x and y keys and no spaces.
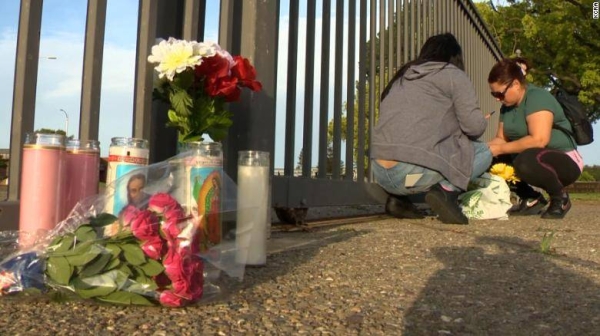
{"x":536,"y":99}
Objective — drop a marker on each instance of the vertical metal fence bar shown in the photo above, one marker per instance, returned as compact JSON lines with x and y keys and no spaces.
{"x":337,"y":93}
{"x":255,"y":29}
{"x":419,"y":22}
{"x":391,"y":31}
{"x":382,"y":44}
{"x":309,"y":79}
{"x":413,"y":30}
{"x":25,"y":83}
{"x":362,"y":91}
{"x":406,"y":31}
{"x":324,"y":94}
{"x":350,"y":87}
{"x":91,"y":83}
{"x":399,"y":33}
{"x":142,"y":104}
{"x":191,"y":9}
{"x":290,"y":107}
{"x":372,"y":85}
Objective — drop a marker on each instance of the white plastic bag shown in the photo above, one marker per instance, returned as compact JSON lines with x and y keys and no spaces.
{"x":488,"y":198}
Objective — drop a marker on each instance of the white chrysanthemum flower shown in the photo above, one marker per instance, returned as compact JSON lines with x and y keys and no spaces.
{"x":174,"y":56}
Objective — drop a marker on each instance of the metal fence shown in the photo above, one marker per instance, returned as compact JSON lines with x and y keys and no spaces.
{"x":346,"y":64}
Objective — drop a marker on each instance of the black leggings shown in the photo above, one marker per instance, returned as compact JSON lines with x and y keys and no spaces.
{"x":549,"y":169}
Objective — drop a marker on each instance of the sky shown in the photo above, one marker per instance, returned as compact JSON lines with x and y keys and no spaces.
{"x":59,"y":81}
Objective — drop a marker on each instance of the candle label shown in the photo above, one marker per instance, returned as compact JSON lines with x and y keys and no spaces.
{"x":205,"y":179}
{"x":130,"y":190}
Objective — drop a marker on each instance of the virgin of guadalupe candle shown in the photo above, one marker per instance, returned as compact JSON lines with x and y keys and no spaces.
{"x":124,"y":156}
{"x":204,"y":171}
{"x":42,"y":179}
{"x":253,"y":207}
{"x":82,"y":167}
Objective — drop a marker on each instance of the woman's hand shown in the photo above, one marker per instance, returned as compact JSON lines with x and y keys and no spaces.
{"x":495,"y":148}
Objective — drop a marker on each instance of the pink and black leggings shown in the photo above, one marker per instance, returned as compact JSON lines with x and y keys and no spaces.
{"x":548,"y":169}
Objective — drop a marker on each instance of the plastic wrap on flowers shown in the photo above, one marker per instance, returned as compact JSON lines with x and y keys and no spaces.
{"x":153,"y":251}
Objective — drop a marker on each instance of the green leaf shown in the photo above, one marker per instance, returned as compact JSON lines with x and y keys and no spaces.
{"x":133,"y":254}
{"x":112,"y":264}
{"x":181,"y":102}
{"x":85,"y":233}
{"x":59,"y":270}
{"x":152,"y":268}
{"x":61,"y":244}
{"x":125,"y":269}
{"x":99,"y":285}
{"x":113,"y":249}
{"x":85,"y":255}
{"x":126,"y":298}
{"x":102,"y":220}
{"x":97,"y":265}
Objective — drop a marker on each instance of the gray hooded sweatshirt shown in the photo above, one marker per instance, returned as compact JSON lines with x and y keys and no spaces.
{"x":429,"y":118}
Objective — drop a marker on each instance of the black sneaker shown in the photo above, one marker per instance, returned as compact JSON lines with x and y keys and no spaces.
{"x":529,"y":206}
{"x":445,"y":204}
{"x":558,"y":208}
{"x":402,"y":207}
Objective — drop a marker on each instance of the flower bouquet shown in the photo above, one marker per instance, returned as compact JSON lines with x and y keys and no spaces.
{"x":488,"y":196}
{"x":148,"y":254}
{"x":197,"y":79}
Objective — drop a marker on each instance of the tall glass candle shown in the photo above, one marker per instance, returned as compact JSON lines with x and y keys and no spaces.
{"x":42,"y":179}
{"x":125,"y":155}
{"x":82,"y":166}
{"x":204,"y":171}
{"x":253,"y":208}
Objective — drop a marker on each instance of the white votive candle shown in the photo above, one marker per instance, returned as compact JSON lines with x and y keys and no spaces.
{"x":253,"y":207}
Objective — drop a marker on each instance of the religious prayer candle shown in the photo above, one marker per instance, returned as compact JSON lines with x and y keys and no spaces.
{"x":82,"y":167}
{"x":124,"y":156}
{"x":42,"y":183}
{"x":204,"y":171}
{"x":253,"y":207}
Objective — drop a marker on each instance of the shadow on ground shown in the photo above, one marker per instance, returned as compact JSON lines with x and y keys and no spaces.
{"x":513,"y":290}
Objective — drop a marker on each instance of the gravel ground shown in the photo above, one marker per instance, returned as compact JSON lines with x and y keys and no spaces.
{"x":392,"y":277}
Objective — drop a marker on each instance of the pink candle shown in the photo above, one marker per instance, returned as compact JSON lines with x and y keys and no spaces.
{"x":82,"y":166}
{"x":41,"y":184}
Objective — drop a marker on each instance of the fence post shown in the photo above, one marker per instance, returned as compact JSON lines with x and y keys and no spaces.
{"x":252,"y":27}
{"x":26,"y":69}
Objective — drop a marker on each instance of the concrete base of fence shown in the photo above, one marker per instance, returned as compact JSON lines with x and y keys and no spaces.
{"x":9,"y":215}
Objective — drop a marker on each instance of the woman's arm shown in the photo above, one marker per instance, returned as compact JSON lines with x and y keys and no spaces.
{"x":500,"y":137}
{"x":539,"y":127}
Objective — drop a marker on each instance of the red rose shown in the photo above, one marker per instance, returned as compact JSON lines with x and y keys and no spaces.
{"x":154,"y":247}
{"x":128,"y":214}
{"x":245,"y":73}
{"x":170,"y":299}
{"x":145,"y":225}
{"x":213,"y":67}
{"x":226,"y":87}
{"x":186,"y":273}
{"x":161,"y":202}
{"x":171,"y":224}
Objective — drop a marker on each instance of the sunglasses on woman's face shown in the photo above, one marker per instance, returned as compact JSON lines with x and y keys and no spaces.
{"x":501,"y":95}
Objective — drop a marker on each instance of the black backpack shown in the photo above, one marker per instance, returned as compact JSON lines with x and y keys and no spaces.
{"x":577,"y":116}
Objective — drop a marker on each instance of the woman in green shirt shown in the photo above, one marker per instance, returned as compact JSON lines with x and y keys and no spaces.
{"x":542,"y":156}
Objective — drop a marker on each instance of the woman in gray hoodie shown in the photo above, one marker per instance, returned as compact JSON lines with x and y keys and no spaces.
{"x":426,"y":136}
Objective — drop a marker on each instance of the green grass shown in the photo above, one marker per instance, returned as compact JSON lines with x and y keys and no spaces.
{"x":585,"y":196}
{"x":546,"y":243}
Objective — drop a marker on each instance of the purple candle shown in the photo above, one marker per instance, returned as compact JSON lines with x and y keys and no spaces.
{"x":82,"y":166}
{"x":41,"y":185}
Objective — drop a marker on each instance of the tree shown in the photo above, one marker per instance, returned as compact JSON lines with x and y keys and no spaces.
{"x":586,"y":177}
{"x":558,"y":37}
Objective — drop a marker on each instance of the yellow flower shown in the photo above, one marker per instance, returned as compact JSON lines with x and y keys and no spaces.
{"x":504,"y":171}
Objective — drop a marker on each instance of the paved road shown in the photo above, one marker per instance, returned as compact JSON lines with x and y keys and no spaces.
{"x":384,"y":277}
